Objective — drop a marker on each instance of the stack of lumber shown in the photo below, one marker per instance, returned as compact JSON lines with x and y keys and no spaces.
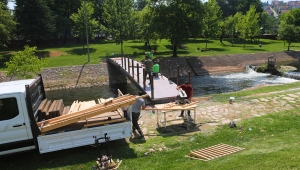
{"x":49,"y":109}
{"x":79,"y":115}
{"x":174,"y":106}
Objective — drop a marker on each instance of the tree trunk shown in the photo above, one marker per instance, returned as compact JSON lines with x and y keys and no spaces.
{"x":175,"y":44}
{"x":206,"y":44}
{"x":221,"y":37}
{"x":148,"y":44}
{"x":122,"y":47}
{"x":289,"y":46}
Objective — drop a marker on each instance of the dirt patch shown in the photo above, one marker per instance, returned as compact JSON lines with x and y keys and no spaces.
{"x":56,"y":53}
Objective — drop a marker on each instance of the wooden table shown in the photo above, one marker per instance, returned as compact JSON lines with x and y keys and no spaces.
{"x":171,"y":107}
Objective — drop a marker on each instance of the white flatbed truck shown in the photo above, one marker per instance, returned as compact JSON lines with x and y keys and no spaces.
{"x":19,"y":130}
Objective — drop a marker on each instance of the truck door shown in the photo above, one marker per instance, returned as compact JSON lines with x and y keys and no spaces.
{"x":13,"y":127}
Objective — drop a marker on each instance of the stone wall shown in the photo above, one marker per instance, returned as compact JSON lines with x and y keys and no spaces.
{"x":77,"y":76}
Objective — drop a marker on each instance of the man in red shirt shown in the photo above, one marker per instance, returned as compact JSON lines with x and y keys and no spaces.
{"x":189,"y":93}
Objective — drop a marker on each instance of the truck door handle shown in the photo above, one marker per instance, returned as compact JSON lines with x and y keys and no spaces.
{"x":17,"y":125}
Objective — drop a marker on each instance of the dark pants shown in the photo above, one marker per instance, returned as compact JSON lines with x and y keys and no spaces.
{"x":149,"y":74}
{"x":188,"y":112}
{"x":135,"y":118}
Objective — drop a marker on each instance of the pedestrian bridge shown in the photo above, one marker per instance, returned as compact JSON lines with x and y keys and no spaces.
{"x":160,"y":90}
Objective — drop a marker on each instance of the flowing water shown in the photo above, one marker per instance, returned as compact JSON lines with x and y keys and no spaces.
{"x":203,"y":85}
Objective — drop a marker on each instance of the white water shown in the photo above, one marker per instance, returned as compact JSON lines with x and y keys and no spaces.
{"x":223,"y":83}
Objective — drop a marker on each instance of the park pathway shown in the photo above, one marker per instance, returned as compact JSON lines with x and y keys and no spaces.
{"x":212,"y":114}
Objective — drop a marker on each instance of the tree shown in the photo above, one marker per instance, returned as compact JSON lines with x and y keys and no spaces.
{"x":289,"y":27}
{"x":177,"y":20}
{"x":7,"y":25}
{"x":211,"y":21}
{"x":35,"y":19}
{"x":146,"y":28}
{"x":62,"y":11}
{"x":84,"y":14}
{"x":269,"y":24}
{"x":24,"y":64}
{"x":231,"y":7}
{"x":248,"y":24}
{"x":117,"y":17}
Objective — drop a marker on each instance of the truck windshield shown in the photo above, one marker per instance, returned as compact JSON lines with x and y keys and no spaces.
{"x":8,"y":108}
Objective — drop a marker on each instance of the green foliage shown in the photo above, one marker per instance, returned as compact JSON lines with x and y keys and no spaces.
{"x":118,"y":17}
{"x":231,"y":7}
{"x":24,"y":64}
{"x":289,"y":28}
{"x":177,"y":20}
{"x":269,"y":24}
{"x":62,"y":11}
{"x":85,"y":14}
{"x":35,"y":19}
{"x":7,"y":25}
{"x":248,"y":24}
{"x":211,"y":20}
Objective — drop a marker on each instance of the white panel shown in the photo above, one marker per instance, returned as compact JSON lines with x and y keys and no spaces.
{"x":76,"y":138}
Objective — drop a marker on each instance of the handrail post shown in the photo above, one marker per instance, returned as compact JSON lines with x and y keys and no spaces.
{"x":189,"y":77}
{"x":122,"y":61}
{"x":177,"y":74}
{"x":125,"y":68}
{"x":132,"y":68}
{"x":128,"y":65}
{"x":152,"y":86}
{"x":138,"y":72}
{"x":144,"y":78}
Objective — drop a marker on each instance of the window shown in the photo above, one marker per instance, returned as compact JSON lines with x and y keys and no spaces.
{"x":8,"y":108}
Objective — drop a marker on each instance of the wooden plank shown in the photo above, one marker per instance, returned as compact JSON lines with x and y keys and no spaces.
{"x":52,"y":109}
{"x":105,"y":122}
{"x":82,"y":115}
{"x":60,"y":107}
{"x":65,"y":110}
{"x":116,"y":101}
{"x":41,"y":107}
{"x":45,"y":112}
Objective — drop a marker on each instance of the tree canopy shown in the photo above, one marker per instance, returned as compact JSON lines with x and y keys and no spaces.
{"x":7,"y":25}
{"x":289,"y":27}
{"x":177,"y":20}
{"x":35,"y":19}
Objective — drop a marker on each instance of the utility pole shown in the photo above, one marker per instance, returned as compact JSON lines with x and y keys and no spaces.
{"x":87,"y":33}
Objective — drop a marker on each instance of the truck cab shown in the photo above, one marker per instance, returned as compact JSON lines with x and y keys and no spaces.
{"x":15,"y":130}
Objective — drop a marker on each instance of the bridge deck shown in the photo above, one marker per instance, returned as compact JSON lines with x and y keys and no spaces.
{"x":164,"y":90}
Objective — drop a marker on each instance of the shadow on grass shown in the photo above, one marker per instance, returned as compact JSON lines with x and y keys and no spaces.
{"x":68,"y":158}
{"x":143,"y":48}
{"x":179,"y":129}
{"x":81,"y":51}
{"x":195,"y":41}
{"x":42,"y":54}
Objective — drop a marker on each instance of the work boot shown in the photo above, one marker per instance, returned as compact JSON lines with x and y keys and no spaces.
{"x":180,"y":115}
{"x":141,"y":133}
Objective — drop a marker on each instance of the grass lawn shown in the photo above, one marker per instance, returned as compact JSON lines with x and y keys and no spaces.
{"x":69,"y":55}
{"x":270,"y":142}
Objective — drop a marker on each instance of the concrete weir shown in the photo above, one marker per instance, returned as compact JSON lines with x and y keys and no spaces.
{"x":162,"y":90}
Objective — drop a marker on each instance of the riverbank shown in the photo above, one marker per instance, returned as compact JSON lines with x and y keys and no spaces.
{"x":102,"y":74}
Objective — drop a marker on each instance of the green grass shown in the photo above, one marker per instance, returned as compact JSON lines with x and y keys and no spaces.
{"x":77,"y":55}
{"x":271,"y":144}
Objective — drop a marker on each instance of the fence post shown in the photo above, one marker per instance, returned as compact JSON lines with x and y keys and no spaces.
{"x":138,"y":72}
